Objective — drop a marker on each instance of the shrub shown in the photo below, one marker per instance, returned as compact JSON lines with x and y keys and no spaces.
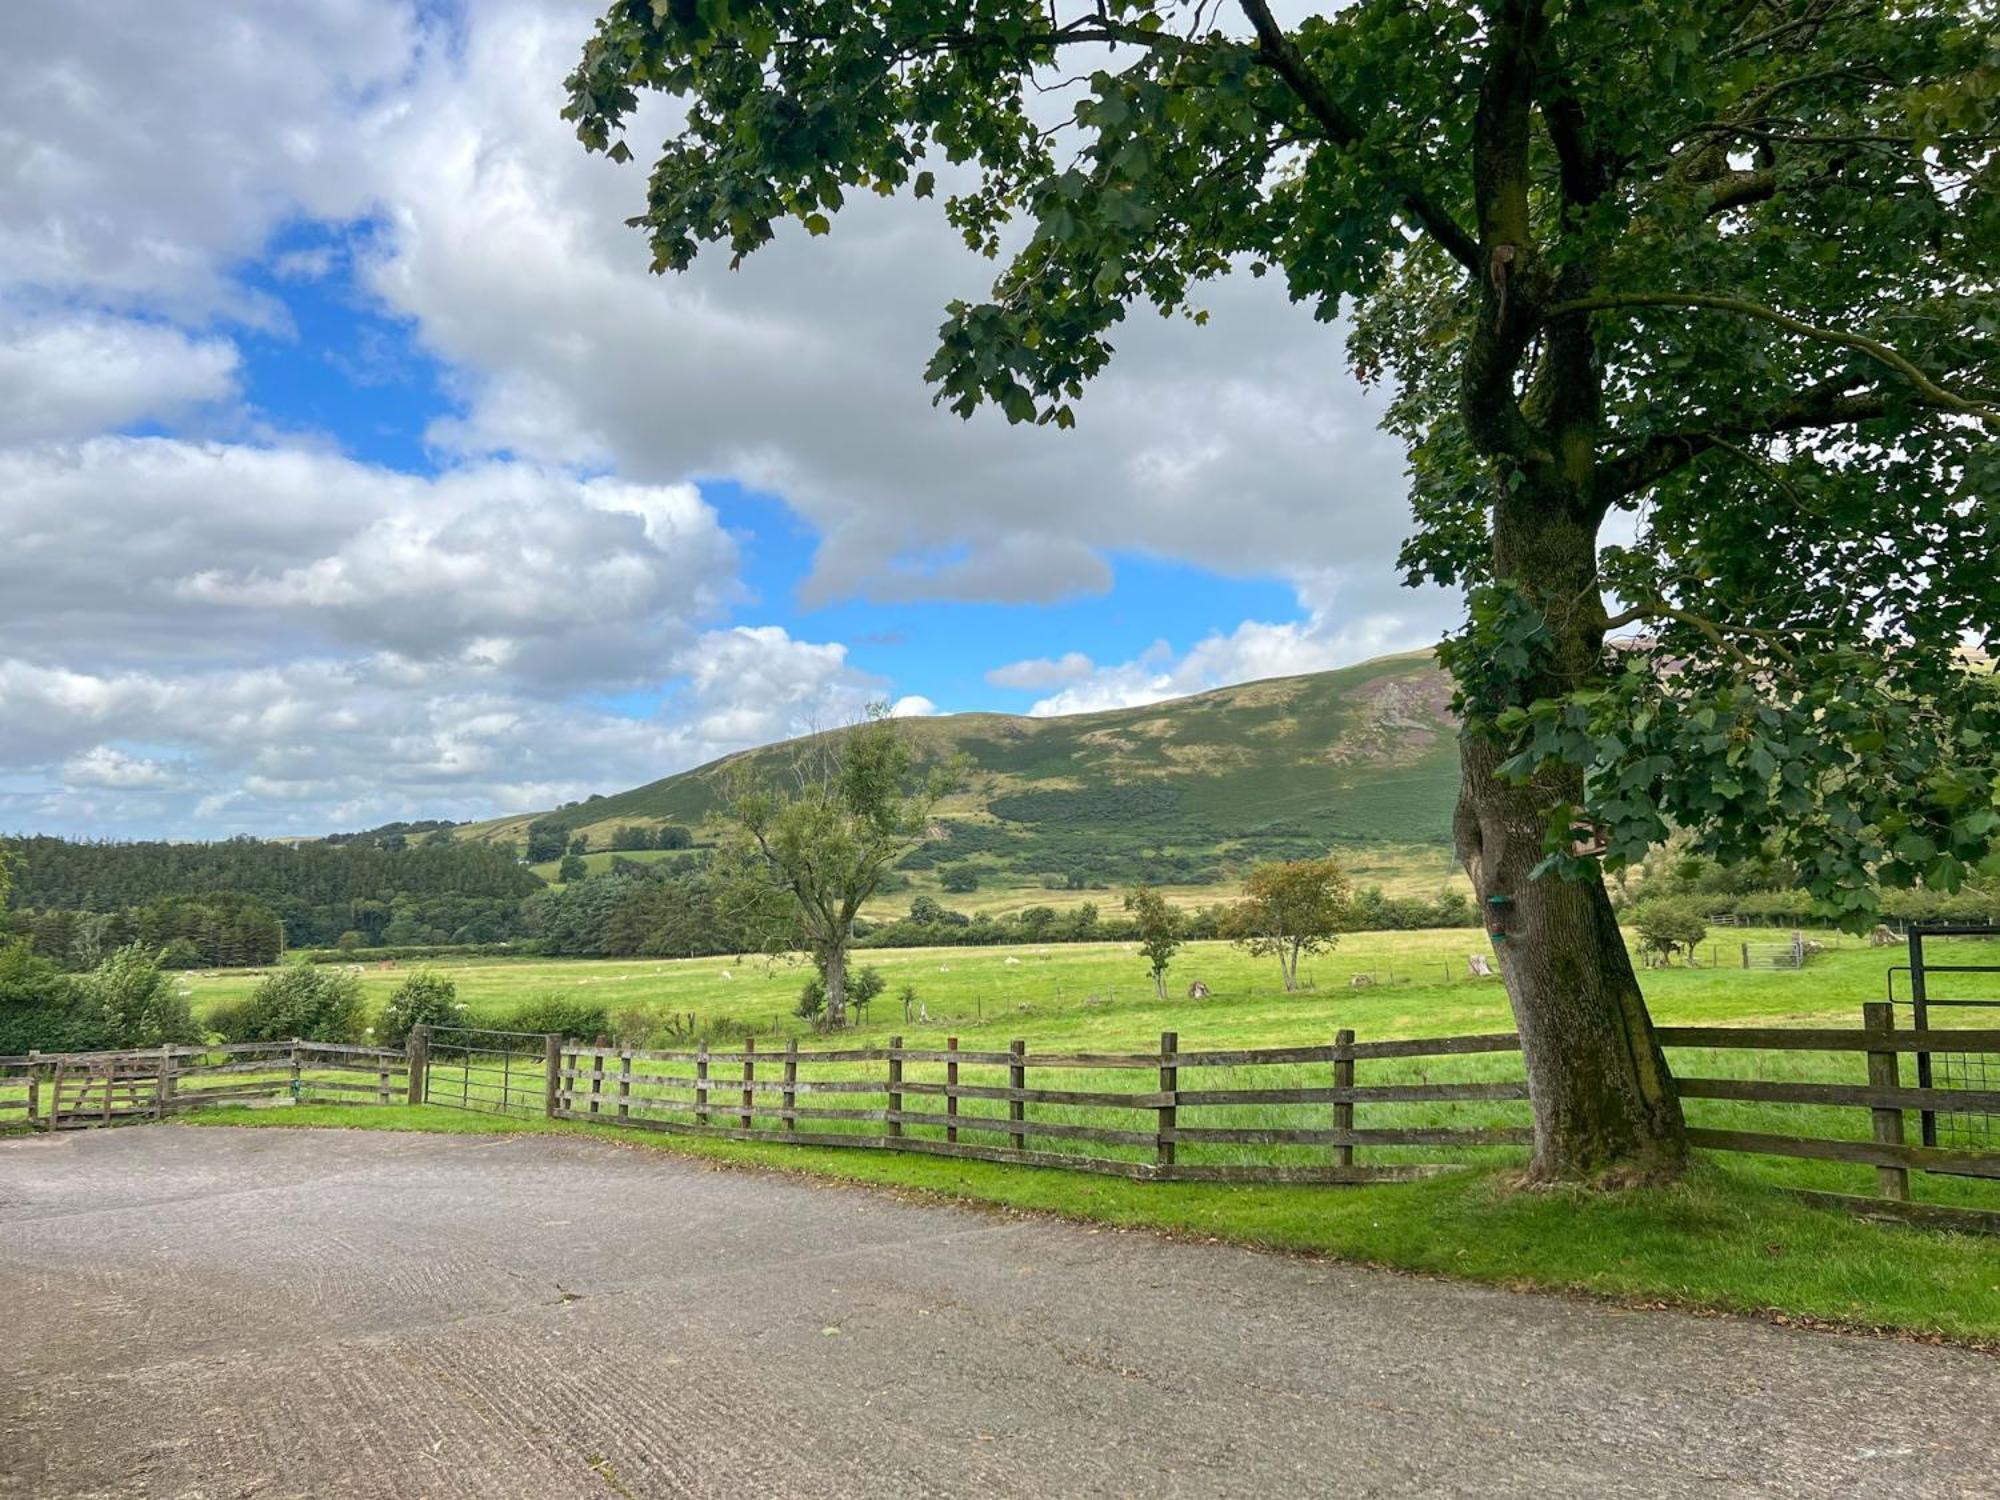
{"x":41,"y":1007}
{"x":862,"y":986}
{"x":576,"y":1019}
{"x":300,"y":1000}
{"x":426,"y":998}
{"x":135,"y":1004}
{"x":958,"y":878}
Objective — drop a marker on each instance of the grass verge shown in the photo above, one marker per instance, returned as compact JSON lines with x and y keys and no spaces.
{"x":1721,"y":1240}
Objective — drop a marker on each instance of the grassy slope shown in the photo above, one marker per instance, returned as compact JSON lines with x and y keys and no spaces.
{"x":1361,"y":760}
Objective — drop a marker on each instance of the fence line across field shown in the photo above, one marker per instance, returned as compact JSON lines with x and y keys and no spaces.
{"x":1283,"y":1114}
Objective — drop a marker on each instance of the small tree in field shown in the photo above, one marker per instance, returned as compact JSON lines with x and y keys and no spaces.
{"x":1160,"y":927}
{"x":1291,"y":908}
{"x":1667,"y":926}
{"x":1687,"y":309}
{"x":855,"y":802}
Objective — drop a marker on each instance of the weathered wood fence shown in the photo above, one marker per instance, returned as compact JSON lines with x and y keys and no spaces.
{"x":74,"y":1090}
{"x":1303,"y":1114}
{"x":1130,"y":1114}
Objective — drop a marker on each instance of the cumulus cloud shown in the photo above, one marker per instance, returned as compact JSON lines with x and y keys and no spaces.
{"x":152,"y":146}
{"x":1242,"y":446}
{"x":1256,"y":649}
{"x":1038,"y":673}
{"x":73,"y":375}
{"x":326,"y":743}
{"x":136,"y":548}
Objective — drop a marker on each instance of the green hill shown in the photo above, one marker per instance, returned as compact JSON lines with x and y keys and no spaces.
{"x":1186,"y":793}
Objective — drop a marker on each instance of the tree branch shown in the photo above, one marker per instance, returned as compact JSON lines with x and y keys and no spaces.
{"x":1280,"y":53}
{"x":1929,"y":389}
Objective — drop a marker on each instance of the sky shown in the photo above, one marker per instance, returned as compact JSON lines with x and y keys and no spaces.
{"x":353,"y":467}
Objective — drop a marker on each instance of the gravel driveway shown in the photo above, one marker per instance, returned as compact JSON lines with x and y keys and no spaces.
{"x":202,"y":1312}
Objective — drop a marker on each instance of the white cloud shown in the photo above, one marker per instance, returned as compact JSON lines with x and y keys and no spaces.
{"x":74,"y":375}
{"x":1242,"y":447}
{"x":1042,"y":672}
{"x":321,"y":743}
{"x":912,"y":706}
{"x":1254,"y":650}
{"x":140,"y":548}
{"x":152,"y":146}
{"x":108,"y":767}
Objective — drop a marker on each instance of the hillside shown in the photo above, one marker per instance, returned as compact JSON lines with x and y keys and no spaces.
{"x":1361,"y":760}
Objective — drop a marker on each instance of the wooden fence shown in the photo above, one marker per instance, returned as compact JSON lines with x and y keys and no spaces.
{"x":1884,"y":1097}
{"x":1305,"y":1114}
{"x":72,"y":1090}
{"x":1131,"y":1114}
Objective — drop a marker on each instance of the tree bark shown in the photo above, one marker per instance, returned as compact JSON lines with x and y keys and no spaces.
{"x":836,"y":987}
{"x":1604,"y":1102}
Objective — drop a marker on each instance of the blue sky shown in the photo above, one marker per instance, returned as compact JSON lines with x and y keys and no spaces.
{"x":358,"y":469}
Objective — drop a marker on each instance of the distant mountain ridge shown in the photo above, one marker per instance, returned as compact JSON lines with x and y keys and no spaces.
{"x":1186,"y":792}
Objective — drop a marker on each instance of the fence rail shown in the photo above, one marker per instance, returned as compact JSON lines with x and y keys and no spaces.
{"x":77,"y":1090}
{"x":1345,"y":1111}
{"x":982,"y":1105}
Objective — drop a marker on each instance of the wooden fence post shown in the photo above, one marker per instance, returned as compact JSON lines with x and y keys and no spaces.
{"x":748,"y":1119}
{"x":34,"y":1087}
{"x":951,"y":1089}
{"x":163,"y":1086}
{"x":417,"y":1061}
{"x":597,"y":1071}
{"x":1343,"y":1110}
{"x":894,"y":1126}
{"x":1017,"y":1107}
{"x":552,"y":1079}
{"x":1746,"y":955}
{"x":791,"y":1094}
{"x":1170,"y":1075}
{"x":55,"y":1093}
{"x":1885,"y":1072}
{"x":624,"y":1082}
{"x":701,"y":1084}
{"x":298,"y":1065}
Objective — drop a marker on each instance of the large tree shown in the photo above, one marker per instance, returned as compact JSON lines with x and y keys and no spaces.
{"x":1690,"y":303}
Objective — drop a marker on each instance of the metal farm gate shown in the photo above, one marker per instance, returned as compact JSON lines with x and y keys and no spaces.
{"x":499,"y":1072}
{"x":1980,"y":1071}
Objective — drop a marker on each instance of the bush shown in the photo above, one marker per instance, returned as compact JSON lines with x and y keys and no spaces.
{"x":426,"y":998}
{"x":304,"y":1000}
{"x":958,"y":878}
{"x":135,"y":1004}
{"x":862,"y":986}
{"x":41,"y":1007}
{"x":575,"y":1019}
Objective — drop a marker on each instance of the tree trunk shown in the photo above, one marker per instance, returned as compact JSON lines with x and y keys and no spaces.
{"x":836,"y":988}
{"x":1605,"y":1106}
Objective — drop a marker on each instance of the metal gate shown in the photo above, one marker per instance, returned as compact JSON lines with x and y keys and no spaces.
{"x":500,"y":1072}
{"x":1978,"y":1130}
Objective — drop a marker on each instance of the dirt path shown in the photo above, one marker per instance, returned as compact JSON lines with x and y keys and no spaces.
{"x":190,"y":1312}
